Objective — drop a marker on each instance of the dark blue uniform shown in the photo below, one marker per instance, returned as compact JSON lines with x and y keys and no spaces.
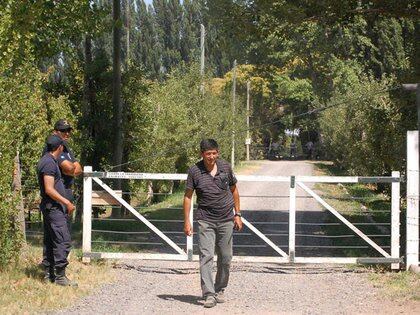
{"x":68,"y":181}
{"x":57,"y":239}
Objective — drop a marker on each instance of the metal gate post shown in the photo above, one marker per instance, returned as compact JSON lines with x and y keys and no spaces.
{"x":87,"y":215}
{"x":191,"y":237}
{"x":395,"y":220}
{"x":292,"y":218}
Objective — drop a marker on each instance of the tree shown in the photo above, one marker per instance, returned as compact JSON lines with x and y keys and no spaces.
{"x":116,"y":90}
{"x":168,"y":14}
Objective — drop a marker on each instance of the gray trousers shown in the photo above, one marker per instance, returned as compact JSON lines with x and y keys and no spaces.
{"x":214,"y":237}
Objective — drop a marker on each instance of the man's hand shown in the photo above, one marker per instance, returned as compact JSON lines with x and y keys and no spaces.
{"x":70,"y":207}
{"x":187,"y":228}
{"x":238,"y":225}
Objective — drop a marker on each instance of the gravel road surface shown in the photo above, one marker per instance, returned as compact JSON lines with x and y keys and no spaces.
{"x":167,"y":287}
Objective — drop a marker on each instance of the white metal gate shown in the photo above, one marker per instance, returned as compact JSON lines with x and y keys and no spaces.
{"x":392,"y":258}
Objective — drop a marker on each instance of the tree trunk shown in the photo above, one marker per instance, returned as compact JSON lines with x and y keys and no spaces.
{"x":17,"y":192}
{"x":127,"y":22}
{"x":116,"y":94}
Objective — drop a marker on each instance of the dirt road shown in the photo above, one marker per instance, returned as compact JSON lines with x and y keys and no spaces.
{"x":158,"y":287}
{"x":271,"y":216}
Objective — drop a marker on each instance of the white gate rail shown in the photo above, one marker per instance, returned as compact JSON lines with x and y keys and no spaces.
{"x":392,"y":258}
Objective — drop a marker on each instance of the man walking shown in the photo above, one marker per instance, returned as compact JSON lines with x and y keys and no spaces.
{"x":217,"y":196}
{"x":56,"y":209}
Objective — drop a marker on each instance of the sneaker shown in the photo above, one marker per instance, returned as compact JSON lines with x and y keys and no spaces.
{"x":210,"y":301}
{"x":220,"y":297}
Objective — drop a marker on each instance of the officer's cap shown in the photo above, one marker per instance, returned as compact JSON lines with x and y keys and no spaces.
{"x":53,"y":142}
{"x":62,"y":124}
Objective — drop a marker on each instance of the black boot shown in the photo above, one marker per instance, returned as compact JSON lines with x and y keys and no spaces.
{"x":49,"y":275}
{"x":61,"y":278}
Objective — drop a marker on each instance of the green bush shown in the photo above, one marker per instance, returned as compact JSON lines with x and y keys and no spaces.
{"x":365,"y":132}
{"x":26,"y":113}
{"x":169,"y":120}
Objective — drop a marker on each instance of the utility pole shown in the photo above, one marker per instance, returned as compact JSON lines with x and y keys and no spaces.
{"x":203,"y":34}
{"x":116,"y":93}
{"x":248,"y":137}
{"x":232,"y":159}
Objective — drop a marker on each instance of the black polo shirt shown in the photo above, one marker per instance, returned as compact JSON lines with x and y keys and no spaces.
{"x":48,"y":165}
{"x":214,"y":198}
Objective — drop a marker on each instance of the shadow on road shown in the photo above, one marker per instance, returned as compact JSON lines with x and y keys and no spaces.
{"x":158,"y":267}
{"x":190,"y":299}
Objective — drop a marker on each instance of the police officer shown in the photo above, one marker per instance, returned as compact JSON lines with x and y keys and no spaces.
{"x":69,"y":168}
{"x":56,"y":209}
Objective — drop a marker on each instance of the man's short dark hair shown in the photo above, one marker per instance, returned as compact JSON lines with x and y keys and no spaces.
{"x":208,"y":144}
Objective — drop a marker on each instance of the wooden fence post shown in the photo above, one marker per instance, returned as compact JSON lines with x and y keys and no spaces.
{"x":17,"y":193}
{"x":412,"y":249}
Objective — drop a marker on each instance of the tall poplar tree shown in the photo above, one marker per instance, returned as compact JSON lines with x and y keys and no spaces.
{"x":116,"y":91}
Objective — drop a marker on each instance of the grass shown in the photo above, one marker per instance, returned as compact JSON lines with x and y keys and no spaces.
{"x":23,"y":292}
{"x":403,"y":285}
{"x":247,"y":167}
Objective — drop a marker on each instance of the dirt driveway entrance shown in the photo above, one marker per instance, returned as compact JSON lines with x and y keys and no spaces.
{"x":159,"y":287}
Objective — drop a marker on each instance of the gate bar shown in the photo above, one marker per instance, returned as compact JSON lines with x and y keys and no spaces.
{"x":395,"y":220}
{"x":249,"y":178}
{"x":87,"y":215}
{"x":292,"y":219}
{"x":190,"y":238}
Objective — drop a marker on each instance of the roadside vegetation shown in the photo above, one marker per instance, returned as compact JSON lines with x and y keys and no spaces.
{"x":401,"y":286}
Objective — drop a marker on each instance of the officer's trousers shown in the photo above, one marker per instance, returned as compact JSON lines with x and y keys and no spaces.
{"x":57,"y":238}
